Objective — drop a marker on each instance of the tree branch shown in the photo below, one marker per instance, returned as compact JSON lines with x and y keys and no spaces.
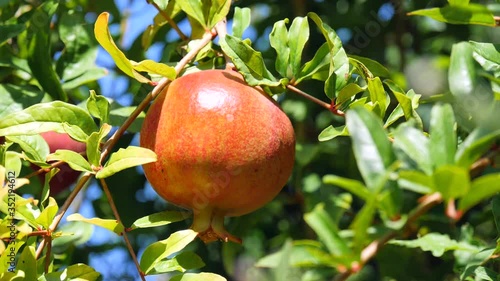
{"x":374,"y":247}
{"x":169,"y":20}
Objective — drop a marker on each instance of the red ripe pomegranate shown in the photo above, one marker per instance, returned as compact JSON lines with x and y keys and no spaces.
{"x":66,"y":176}
{"x":224,"y":148}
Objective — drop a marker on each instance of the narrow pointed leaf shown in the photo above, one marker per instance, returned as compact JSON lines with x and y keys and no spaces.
{"x":104,"y":38}
{"x":415,"y":145}
{"x":320,"y":221}
{"x":158,"y":219}
{"x":153,"y":67}
{"x":157,"y":251}
{"x":331,"y":132}
{"x":452,"y":181}
{"x":475,"y":145}
{"x":443,"y":136}
{"x":339,"y":63}
{"x":39,"y":53}
{"x":47,"y":215}
{"x":182,"y":262}
{"x":241,"y":20}
{"x":126,"y":158}
{"x":436,"y":243}
{"x":297,"y":38}
{"x":109,"y":224}
{"x":371,"y":146}
{"x":45,"y":117}
{"x":34,"y":146}
{"x":75,"y":160}
{"x":251,"y":65}
{"x":459,"y":14}
{"x":98,"y":106}
{"x":481,"y":188}
{"x":278,"y":39}
{"x":355,"y":187}
{"x":202,"y":276}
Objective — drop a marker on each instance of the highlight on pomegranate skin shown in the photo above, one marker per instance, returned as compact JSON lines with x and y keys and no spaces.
{"x":224,"y":148}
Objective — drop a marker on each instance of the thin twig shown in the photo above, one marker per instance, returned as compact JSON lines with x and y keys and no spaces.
{"x":62,"y":211}
{"x":124,"y":233}
{"x":374,"y":247}
{"x":328,"y":106}
{"x":169,"y":20}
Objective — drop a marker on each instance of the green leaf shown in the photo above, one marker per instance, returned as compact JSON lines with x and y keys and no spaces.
{"x":39,"y":55}
{"x":487,"y":55}
{"x":76,"y":65}
{"x":12,"y":276}
{"x":109,"y":224}
{"x":355,"y":187}
{"x":27,"y":263}
{"x":375,"y":67}
{"x":47,"y":215}
{"x":416,"y":181}
{"x":153,"y":67}
{"x":118,"y":116}
{"x":378,"y":95}
{"x":182,"y":262}
{"x":72,"y":234}
{"x":462,"y":71}
{"x":475,"y":145}
{"x":320,"y":221}
{"x":495,"y":209}
{"x":458,"y":2}
{"x":339,"y":63}
{"x":93,"y":149}
{"x":203,"y":276}
{"x":347,"y":93}
{"x":415,"y":145}
{"x":206,"y":12}
{"x":157,"y":251}
{"x":45,"y":117}
{"x":8,"y":31}
{"x":217,"y":11}
{"x":436,"y":243}
{"x":126,"y":158}
{"x":77,"y":271}
{"x":283,"y":268}
{"x":371,"y":145}
{"x":278,"y":39}
{"x":479,"y":273}
{"x":34,"y":147}
{"x":159,"y":219}
{"x":362,"y":221}
{"x":75,"y":160}
{"x":443,"y":136}
{"x":304,"y":253}
{"x":452,"y":181}
{"x":251,"y":64}
{"x":16,"y":98}
{"x":24,"y":210}
{"x":104,"y":38}
{"x":241,"y":20}
{"x":459,"y":14}
{"x":481,"y":188}
{"x":331,"y":132}
{"x":316,"y":66}
{"x":98,"y":106}
{"x":297,"y":38}
{"x":405,"y":102}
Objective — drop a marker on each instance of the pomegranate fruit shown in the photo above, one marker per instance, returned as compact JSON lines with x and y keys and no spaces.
{"x":224,"y":148}
{"x":66,"y":176}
